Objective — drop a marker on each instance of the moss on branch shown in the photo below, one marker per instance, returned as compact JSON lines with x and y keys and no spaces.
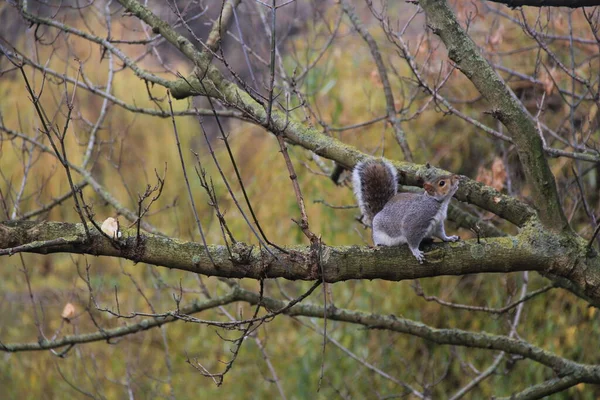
{"x":504,"y":106}
{"x":534,"y":249}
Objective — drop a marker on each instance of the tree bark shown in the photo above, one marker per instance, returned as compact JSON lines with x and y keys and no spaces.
{"x":505,"y":107}
{"x":534,"y":249}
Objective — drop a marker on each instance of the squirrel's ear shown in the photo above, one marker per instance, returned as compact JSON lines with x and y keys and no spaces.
{"x":429,"y":188}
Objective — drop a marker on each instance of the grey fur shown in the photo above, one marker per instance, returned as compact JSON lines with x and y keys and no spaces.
{"x":402,"y":217}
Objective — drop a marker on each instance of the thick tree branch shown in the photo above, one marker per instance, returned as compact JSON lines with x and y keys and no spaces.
{"x":571,"y":372}
{"x":547,"y":388}
{"x":339,"y":263}
{"x":533,"y":250}
{"x":309,"y":138}
{"x":581,"y":372}
{"x":165,"y":30}
{"x":505,"y":107}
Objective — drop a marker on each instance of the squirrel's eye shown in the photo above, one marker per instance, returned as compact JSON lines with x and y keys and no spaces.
{"x":442,"y":183}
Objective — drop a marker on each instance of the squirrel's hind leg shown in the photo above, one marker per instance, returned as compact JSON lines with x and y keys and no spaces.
{"x":380,"y":238}
{"x":413,"y":244}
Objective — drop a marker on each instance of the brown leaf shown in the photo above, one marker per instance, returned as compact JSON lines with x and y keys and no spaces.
{"x":484,"y":176}
{"x":494,"y":177}
{"x":498,"y":174}
{"x":68,"y":312}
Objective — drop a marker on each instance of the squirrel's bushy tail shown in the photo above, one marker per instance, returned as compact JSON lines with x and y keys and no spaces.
{"x":375,"y":183}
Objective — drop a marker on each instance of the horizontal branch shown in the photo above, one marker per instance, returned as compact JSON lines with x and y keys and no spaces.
{"x":547,"y":388}
{"x":246,"y":261}
{"x":570,"y":371}
{"x":107,"y":334}
{"x":533,"y":250}
{"x":482,"y":340}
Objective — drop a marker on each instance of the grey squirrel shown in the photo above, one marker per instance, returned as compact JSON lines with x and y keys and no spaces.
{"x":398,"y":218}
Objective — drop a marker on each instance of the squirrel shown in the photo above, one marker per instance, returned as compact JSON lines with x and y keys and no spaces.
{"x":398,"y":218}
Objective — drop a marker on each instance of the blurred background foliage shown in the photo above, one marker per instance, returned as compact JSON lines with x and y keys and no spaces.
{"x":345,"y":89}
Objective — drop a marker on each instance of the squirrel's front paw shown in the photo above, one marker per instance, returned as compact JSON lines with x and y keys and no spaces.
{"x":453,"y":238}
